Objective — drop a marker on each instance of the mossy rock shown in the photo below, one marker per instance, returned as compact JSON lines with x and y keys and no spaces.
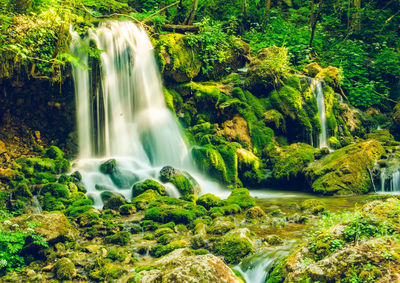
{"x":331,"y":75}
{"x":9,"y":174}
{"x":234,"y":246}
{"x":321,"y":153}
{"x":255,"y":212}
{"x":54,"y":152}
{"x":221,"y":226}
{"x":267,"y":69}
{"x":143,"y":200}
{"x":184,"y":183}
{"x":148,"y":184}
{"x":345,"y":171}
{"x":177,"y":60}
{"x":383,"y":136}
{"x":127,"y":209}
{"x":114,"y":202}
{"x":64,"y":269}
{"x":161,"y":250}
{"x":22,"y":192}
{"x":334,"y":143}
{"x":289,"y":162}
{"x":312,"y":69}
{"x":108,"y":167}
{"x":300,"y":112}
{"x":275,"y":120}
{"x":208,"y":201}
{"x":120,"y":238}
{"x":241,"y":197}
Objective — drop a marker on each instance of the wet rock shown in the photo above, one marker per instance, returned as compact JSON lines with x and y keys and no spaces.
{"x":235,"y":245}
{"x":114,"y":202}
{"x":185,"y":183}
{"x":149,"y":184}
{"x":255,"y":212}
{"x":182,"y":266}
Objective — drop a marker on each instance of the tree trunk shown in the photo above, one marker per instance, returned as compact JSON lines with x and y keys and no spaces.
{"x":314,"y":19}
{"x":192,"y":13}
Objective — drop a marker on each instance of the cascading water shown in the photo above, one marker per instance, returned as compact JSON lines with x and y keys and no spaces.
{"x":121,"y":112}
{"x":316,"y":87}
{"x":390,"y":179}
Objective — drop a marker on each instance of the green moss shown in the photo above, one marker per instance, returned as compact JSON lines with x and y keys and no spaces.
{"x":233,"y":249}
{"x":345,"y":171}
{"x":233,"y":78}
{"x":183,"y":185}
{"x":127,"y":209}
{"x":120,"y":238}
{"x":143,"y":200}
{"x":299,"y":110}
{"x":35,"y":164}
{"x":148,"y":184}
{"x":177,"y":60}
{"x":161,"y":250}
{"x":274,"y":119}
{"x":238,"y":93}
{"x":54,"y":152}
{"x":22,"y":192}
{"x":380,"y":135}
{"x":255,"y":105}
{"x":114,"y":202}
{"x":64,"y":269}
{"x":228,"y":153}
{"x":334,"y":143}
{"x":329,"y":98}
{"x":56,"y":190}
{"x":108,"y":167}
{"x":241,"y":197}
{"x":210,"y":161}
{"x":289,"y":161}
{"x":161,"y":231}
{"x":208,"y":201}
{"x":79,"y":207}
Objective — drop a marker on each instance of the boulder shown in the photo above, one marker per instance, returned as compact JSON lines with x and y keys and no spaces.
{"x":345,"y":171}
{"x":183,"y":181}
{"x":182,"y":266}
{"x":54,"y":227}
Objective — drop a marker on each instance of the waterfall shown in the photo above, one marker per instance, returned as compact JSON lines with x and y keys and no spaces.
{"x":390,"y":180}
{"x":316,"y":88}
{"x":121,"y":112}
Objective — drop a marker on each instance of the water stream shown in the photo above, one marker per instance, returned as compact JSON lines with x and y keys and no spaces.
{"x":316,"y":87}
{"x":121,"y":112}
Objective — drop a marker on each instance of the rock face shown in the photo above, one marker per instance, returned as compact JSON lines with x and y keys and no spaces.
{"x":181,"y":266}
{"x":345,"y":171}
{"x":54,"y":227}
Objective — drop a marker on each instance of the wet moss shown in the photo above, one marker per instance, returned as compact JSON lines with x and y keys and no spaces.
{"x":233,"y":249}
{"x":64,"y":269}
{"x":208,"y":201}
{"x":120,"y":238}
{"x":241,"y":197}
{"x":148,"y":184}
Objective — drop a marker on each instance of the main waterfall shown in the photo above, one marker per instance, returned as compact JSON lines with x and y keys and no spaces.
{"x":121,"y":112}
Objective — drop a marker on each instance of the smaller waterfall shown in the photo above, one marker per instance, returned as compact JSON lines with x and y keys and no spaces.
{"x":390,"y":180}
{"x":316,"y":87}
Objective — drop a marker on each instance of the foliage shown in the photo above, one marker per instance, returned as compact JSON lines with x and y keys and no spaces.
{"x":12,"y":241}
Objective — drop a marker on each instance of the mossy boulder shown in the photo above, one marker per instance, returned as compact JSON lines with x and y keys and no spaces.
{"x":334,"y":143}
{"x":241,"y":197}
{"x":221,"y":226}
{"x":54,"y":152}
{"x":331,"y":75}
{"x":383,"y":136}
{"x":290,"y":161}
{"x":108,"y":167}
{"x":120,"y":238}
{"x":143,"y":200}
{"x":235,"y":245}
{"x":345,"y":171}
{"x":148,"y":184}
{"x":64,"y":269}
{"x":177,"y":60}
{"x":184,"y":183}
{"x":127,"y":209}
{"x":208,"y":201}
{"x":312,"y":69}
{"x":182,"y":265}
{"x":267,"y":68}
{"x":114,"y":202}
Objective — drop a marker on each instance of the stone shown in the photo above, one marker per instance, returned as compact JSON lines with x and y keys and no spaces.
{"x":182,"y":266}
